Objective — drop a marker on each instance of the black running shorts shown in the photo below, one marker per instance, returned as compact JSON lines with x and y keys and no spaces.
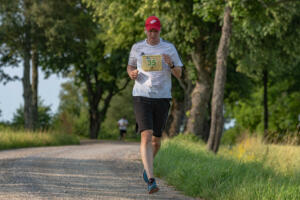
{"x":151,"y":114}
{"x":122,"y":132}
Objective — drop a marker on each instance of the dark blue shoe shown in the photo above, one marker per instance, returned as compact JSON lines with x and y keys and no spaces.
{"x":145,"y":176}
{"x":152,"y":187}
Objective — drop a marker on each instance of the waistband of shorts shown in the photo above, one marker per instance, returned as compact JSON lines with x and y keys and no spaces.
{"x":141,"y":98}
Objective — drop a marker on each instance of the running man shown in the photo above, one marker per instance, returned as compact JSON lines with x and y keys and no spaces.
{"x":151,"y":63}
{"x":123,"y":127}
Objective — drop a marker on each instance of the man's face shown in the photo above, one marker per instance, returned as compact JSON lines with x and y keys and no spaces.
{"x":153,"y":35}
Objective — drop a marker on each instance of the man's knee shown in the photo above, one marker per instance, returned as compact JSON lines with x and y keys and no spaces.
{"x":156,"y":142}
{"x":146,"y":136}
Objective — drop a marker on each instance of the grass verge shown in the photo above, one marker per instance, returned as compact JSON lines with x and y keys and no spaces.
{"x":247,"y":171}
{"x":10,"y":139}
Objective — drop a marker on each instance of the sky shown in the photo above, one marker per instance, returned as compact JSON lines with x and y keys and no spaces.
{"x":11,"y":94}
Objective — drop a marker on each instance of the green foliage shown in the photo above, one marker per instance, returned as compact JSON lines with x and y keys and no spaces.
{"x":71,"y":99}
{"x":121,"y":26}
{"x":262,"y":36}
{"x":82,"y":50}
{"x":44,"y":113}
{"x":186,"y":164}
{"x":81,"y":124}
{"x":231,"y":136}
{"x":209,"y":10}
{"x":249,"y":114}
{"x":265,"y":36}
{"x":71,"y":123}
{"x":284,"y":108}
{"x":238,"y":85}
{"x":19,"y":31}
{"x":72,"y":116}
{"x":179,"y":25}
{"x":121,"y":106}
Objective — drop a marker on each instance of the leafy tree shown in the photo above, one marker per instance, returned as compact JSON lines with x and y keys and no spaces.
{"x":72,"y":47}
{"x":263,"y":42}
{"x":21,"y":39}
{"x":259,"y":29}
{"x":45,"y":117}
{"x":72,"y":115}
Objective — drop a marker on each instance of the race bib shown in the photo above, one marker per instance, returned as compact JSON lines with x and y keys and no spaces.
{"x":152,"y":63}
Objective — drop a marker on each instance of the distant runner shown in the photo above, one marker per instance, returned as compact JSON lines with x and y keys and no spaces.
{"x":151,"y":63}
{"x":122,"y":127}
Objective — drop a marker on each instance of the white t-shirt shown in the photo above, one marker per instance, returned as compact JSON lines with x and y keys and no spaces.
{"x":154,"y":78}
{"x":123,"y":124}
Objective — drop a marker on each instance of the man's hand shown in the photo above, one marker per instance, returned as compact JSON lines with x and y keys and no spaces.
{"x":132,"y":72}
{"x":168,"y":60}
{"x":176,"y":71}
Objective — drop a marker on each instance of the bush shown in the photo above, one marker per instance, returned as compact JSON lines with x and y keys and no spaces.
{"x":44,"y":117}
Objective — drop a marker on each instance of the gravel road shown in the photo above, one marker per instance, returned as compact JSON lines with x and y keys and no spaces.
{"x":102,"y":170}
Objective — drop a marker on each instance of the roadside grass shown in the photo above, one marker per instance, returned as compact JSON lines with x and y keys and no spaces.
{"x":248,"y":171}
{"x":12,"y":139}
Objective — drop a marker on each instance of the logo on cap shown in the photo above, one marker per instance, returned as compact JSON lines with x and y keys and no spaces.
{"x":153,"y":21}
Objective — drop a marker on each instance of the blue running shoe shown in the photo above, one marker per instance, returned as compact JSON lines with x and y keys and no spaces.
{"x":145,"y":176}
{"x":152,"y":187}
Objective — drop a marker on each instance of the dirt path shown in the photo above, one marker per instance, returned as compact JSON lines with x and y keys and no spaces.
{"x":105,"y":170}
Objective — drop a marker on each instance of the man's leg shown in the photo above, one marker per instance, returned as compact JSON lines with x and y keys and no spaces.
{"x":155,"y":145}
{"x":124,"y":134}
{"x":120,"y":137}
{"x":147,"y":152}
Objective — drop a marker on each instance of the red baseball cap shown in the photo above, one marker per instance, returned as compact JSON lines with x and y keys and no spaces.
{"x":152,"y":22}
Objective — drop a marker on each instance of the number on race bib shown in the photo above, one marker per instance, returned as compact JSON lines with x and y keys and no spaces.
{"x":152,"y":63}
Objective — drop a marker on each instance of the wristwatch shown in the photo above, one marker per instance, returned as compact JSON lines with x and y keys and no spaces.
{"x":172,"y":67}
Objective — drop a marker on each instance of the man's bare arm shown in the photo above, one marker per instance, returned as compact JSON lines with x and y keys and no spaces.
{"x":177,"y":71}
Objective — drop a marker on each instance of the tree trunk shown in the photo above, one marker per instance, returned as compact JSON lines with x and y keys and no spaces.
{"x":27,"y":92}
{"x":95,"y":121}
{"x":95,"y":92}
{"x":177,"y":113}
{"x":97,"y":116}
{"x":217,"y":121}
{"x":166,"y":131}
{"x":188,"y":88}
{"x":177,"y":120}
{"x":200,"y":97}
{"x":35,"y":73}
{"x":266,"y":113}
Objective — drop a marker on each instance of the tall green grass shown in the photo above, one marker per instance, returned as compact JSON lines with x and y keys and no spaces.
{"x":11,"y":139}
{"x":248,"y":171}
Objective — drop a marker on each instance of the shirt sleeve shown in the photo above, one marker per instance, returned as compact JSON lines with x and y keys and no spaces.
{"x":132,"y":61}
{"x":175,"y":57}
